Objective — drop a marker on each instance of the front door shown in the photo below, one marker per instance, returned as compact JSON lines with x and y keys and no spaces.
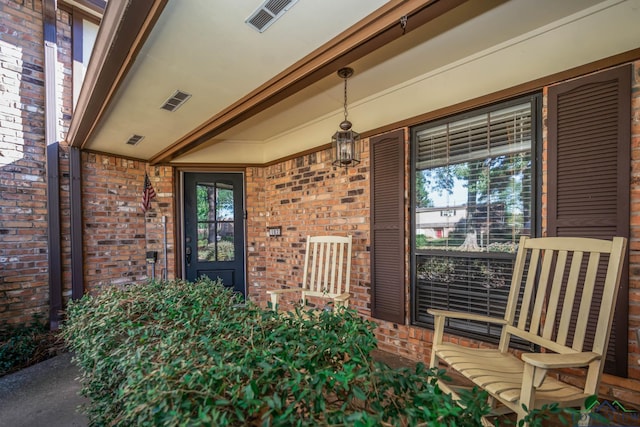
{"x":214,"y":228}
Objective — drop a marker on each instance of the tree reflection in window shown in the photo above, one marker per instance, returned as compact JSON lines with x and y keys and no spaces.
{"x":215,"y":211}
{"x":473,"y":200}
{"x":473,"y":182}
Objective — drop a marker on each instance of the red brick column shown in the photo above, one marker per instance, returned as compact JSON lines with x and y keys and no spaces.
{"x":65,"y":103}
{"x":23,"y":215}
{"x":257,"y":239}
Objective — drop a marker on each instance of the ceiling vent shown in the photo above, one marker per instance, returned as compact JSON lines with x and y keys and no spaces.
{"x":135,"y":139}
{"x":175,"y":101}
{"x":268,"y":13}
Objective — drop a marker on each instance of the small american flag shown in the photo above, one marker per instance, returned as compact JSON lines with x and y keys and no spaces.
{"x":147,"y":194}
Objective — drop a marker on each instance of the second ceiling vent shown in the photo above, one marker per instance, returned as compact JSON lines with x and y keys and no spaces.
{"x":134,"y":139}
{"x":268,"y":13}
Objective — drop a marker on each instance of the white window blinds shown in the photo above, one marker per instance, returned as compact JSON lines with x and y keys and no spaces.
{"x":491,"y":134}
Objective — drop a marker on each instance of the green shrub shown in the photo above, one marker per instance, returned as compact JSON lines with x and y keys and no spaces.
{"x":24,"y":345}
{"x":421,"y":241}
{"x":178,"y":353}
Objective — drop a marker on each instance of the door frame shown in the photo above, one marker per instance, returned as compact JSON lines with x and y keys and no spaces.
{"x":180,"y":216}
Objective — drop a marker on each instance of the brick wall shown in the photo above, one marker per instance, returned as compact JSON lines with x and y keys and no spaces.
{"x":160,"y":221}
{"x":257,"y":240}
{"x":304,"y":196}
{"x":117,"y":234}
{"x":23,"y":215}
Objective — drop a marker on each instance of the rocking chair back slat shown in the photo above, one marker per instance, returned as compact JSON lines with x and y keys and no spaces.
{"x":585,"y":302}
{"x":567,"y":308}
{"x":543,"y":284}
{"x":552,"y":309}
{"x":528,"y":289}
{"x":339,"y":254}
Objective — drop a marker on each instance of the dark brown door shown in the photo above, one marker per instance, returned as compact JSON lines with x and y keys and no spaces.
{"x":214,"y":228}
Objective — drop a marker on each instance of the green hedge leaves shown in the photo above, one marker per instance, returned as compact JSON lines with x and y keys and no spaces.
{"x":192,"y":354}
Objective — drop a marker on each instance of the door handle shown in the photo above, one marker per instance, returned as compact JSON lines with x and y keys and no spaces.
{"x":187,"y":253}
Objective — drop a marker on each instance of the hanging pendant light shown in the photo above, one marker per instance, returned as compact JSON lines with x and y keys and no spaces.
{"x":346,"y":142}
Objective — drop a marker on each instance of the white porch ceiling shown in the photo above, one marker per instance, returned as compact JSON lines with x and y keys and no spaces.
{"x":203,"y":47}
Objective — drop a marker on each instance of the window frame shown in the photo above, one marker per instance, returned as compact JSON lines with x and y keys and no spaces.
{"x":536,"y":174}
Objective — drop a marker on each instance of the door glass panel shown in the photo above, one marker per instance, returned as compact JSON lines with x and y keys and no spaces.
{"x":215,"y":215}
{"x":226,"y":242}
{"x":206,"y":248}
{"x":224,"y":204}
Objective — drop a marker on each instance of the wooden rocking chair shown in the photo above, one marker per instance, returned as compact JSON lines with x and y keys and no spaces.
{"x":326,"y":274}
{"x":553,"y":278}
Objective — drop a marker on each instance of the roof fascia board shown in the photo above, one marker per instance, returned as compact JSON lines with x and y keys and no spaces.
{"x":125,"y":26}
{"x":371,"y":33}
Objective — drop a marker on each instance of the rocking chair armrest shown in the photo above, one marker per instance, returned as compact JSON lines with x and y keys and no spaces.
{"x":465,"y":316}
{"x":342,"y":297}
{"x":557,"y":360}
{"x":283,"y":291}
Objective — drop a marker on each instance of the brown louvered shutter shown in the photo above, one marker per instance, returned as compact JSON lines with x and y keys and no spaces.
{"x":387,"y":227}
{"x":589,"y":128}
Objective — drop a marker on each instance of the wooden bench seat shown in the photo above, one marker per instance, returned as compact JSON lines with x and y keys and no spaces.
{"x":501,"y":375}
{"x":558,"y":285}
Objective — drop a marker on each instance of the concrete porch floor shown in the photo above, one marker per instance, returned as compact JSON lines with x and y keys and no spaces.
{"x":47,"y":394}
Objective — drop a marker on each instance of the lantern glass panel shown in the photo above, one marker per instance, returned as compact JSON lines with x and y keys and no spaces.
{"x":346,"y":148}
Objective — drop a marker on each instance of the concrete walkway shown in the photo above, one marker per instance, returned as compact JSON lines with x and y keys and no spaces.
{"x":47,"y":394}
{"x":43,"y":395}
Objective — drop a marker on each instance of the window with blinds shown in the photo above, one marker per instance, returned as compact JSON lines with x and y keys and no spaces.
{"x":472,"y":200}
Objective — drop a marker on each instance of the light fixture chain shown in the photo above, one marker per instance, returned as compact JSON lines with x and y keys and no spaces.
{"x":345,"y":99}
{"x":345,"y":142}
